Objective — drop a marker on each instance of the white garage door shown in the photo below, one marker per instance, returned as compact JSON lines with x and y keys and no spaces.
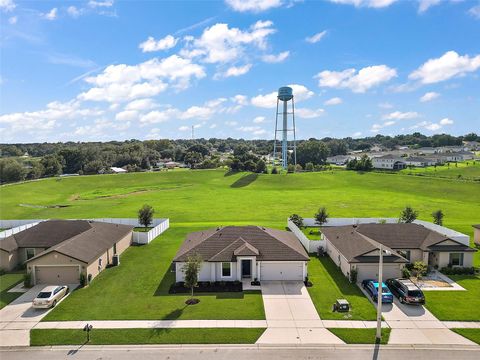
{"x":371,"y":272}
{"x":56,"y":275}
{"x":282,"y":271}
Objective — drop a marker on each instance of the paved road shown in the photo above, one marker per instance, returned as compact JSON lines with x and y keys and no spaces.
{"x":249,"y":353}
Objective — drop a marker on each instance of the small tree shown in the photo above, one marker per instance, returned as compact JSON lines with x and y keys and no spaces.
{"x":191,"y":268}
{"x":309,"y":166}
{"x":297,"y":220}
{"x":261,"y":166}
{"x":321,"y":216}
{"x":408,"y":215}
{"x":145,"y":215}
{"x":420,"y":268}
{"x":438,"y":217}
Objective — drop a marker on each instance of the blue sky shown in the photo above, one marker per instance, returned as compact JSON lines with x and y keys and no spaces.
{"x":115,"y":70}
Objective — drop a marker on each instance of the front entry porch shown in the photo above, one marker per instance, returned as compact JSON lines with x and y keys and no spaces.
{"x":246,"y":268}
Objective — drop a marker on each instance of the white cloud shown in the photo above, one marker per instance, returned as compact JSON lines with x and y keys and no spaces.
{"x":156,"y":116}
{"x":431,"y":126}
{"x":12,"y":20}
{"x":7,"y":5}
{"x":424,"y":5}
{"x":397,"y":115}
{"x":141,"y":104}
{"x":126,"y":115}
{"x":197,"y":112}
{"x":316,"y":38}
{"x":51,"y":15}
{"x":234,"y":71}
{"x":429,"y":96}
{"x":96,"y":4}
{"x":271,"y":58}
{"x":300,"y":92}
{"x":333,"y":101}
{"x":475,"y":11}
{"x":184,"y":128}
{"x":74,"y":12}
{"x":366,"y":3}
{"x":123,"y":82}
{"x":385,"y":105}
{"x":448,"y":66}
{"x":360,"y":81}
{"x":255,"y":6}
{"x":241,"y":100}
{"x":309,"y":113}
{"x":100,"y":129}
{"x":153,"y":134}
{"x":222,"y":44}
{"x":377,"y":127}
{"x":212,"y":126}
{"x":231,"y":123}
{"x":259,"y":120}
{"x":254,"y":130}
{"x":151,"y":44}
{"x":357,"y":134}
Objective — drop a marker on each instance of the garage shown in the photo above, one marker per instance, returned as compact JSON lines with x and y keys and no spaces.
{"x":57,"y":275}
{"x":370,"y":271}
{"x":281,"y":270}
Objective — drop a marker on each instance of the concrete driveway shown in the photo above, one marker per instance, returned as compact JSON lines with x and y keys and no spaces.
{"x":18,"y":317}
{"x":291,"y":316}
{"x":415,"y":325}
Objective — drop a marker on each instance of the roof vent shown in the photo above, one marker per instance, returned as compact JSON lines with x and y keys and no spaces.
{"x":355,"y":225}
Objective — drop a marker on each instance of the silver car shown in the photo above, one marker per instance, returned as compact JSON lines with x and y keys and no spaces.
{"x":49,"y":297}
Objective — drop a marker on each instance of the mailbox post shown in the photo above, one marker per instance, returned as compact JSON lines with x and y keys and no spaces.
{"x":88,"y":328}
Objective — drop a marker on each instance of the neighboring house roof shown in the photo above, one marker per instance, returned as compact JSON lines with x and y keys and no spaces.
{"x":8,"y":244}
{"x":225,"y":243}
{"x":46,"y":234}
{"x":90,"y":244}
{"x":350,"y":241}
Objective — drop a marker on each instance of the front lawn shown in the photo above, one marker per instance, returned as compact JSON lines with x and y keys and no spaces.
{"x":360,"y":336}
{"x":138,"y":290}
{"x":43,"y":337}
{"x":142,"y":229}
{"x":456,"y":305}
{"x":329,"y":284}
{"x":7,"y":281}
{"x":471,"y":334}
{"x":312,"y":233}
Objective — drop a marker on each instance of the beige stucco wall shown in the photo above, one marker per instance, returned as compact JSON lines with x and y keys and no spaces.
{"x":8,"y":261}
{"x":53,"y":258}
{"x":476,"y":236}
{"x":443,"y":258}
{"x":338,"y":258}
{"x":22,"y":253}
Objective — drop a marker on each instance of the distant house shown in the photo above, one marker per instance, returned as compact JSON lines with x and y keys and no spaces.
{"x":376,"y":148}
{"x":417,"y":161}
{"x":476,"y":234}
{"x":351,"y":248}
{"x":471,"y":145}
{"x":339,"y":159}
{"x":118,"y":170}
{"x":389,"y":162}
{"x":171,"y":164}
{"x":56,"y":252}
{"x":236,"y":252}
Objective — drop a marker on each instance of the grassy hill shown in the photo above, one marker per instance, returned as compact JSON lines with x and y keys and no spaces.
{"x":218,"y":198}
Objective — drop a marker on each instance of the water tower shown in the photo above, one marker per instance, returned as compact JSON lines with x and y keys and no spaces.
{"x":285,"y":94}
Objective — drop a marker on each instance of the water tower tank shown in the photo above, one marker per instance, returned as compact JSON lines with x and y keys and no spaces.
{"x":285,"y":93}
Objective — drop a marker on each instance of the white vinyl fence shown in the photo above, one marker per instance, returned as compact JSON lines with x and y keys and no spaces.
{"x":160,"y":225}
{"x":313,"y":245}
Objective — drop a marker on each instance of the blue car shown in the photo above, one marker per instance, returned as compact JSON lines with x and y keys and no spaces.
{"x":371,"y":286}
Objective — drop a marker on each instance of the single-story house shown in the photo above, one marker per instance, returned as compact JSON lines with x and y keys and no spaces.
{"x":390,"y":162}
{"x":57,"y":251}
{"x":236,"y":252}
{"x":350,"y":247}
{"x":476,"y":234}
{"x":118,"y":170}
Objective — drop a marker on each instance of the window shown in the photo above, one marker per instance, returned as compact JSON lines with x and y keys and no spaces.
{"x":30,"y":253}
{"x":456,"y":259}
{"x":405,"y":254}
{"x":226,"y":269}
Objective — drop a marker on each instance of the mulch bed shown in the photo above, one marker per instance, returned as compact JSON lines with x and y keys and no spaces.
{"x":207,"y":287}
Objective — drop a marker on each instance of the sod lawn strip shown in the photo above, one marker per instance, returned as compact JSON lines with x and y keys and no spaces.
{"x":312,"y":233}
{"x":360,"y":336}
{"x":329,"y":284}
{"x":470,"y":334}
{"x":138,"y":290}
{"x":7,"y":281}
{"x":43,"y":337}
{"x":456,"y":305}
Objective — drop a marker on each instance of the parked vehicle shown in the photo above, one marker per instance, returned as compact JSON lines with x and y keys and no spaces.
{"x":49,"y":297}
{"x":371,"y":286}
{"x":406,"y":291}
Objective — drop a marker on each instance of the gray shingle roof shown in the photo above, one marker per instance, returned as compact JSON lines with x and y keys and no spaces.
{"x":220,"y":244}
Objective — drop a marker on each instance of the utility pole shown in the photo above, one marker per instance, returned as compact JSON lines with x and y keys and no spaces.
{"x":193,"y":133}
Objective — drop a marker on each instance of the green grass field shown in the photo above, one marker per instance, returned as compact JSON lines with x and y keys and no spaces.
{"x":467,"y":170}
{"x":360,"y":336}
{"x":312,"y":233}
{"x":42,"y":337}
{"x":329,"y":284}
{"x":199,"y":199}
{"x":7,"y":281}
{"x":471,"y":334}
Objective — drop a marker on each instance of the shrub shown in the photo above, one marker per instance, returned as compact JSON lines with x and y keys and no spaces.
{"x":353,"y":276}
{"x":274,"y":170}
{"x":83,"y":280}
{"x":290,"y":168}
{"x":408,"y":215}
{"x":297,"y":220}
{"x":406,"y":273}
{"x":458,"y":270}
{"x":420,"y":268}
{"x":27,"y":280}
{"x":309,"y":166}
{"x":2,"y":271}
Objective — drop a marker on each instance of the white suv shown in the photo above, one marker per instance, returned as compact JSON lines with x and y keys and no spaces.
{"x":49,"y":297}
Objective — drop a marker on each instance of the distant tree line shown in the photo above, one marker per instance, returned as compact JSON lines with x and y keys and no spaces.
{"x":52,"y":159}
